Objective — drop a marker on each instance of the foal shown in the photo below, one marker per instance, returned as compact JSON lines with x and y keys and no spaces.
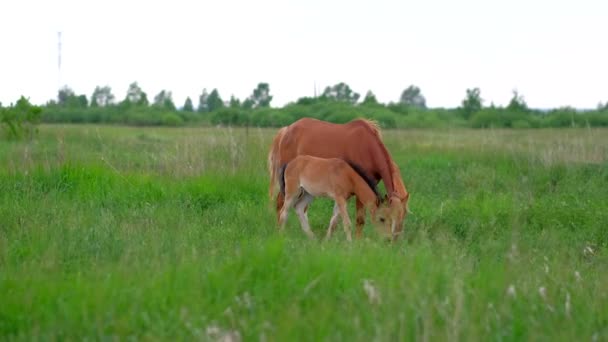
{"x":306,"y":177}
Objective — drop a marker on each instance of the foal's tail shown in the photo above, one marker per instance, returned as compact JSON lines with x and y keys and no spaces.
{"x":273,"y":157}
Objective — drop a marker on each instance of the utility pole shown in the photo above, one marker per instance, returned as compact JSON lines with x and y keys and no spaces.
{"x":58,"y":60}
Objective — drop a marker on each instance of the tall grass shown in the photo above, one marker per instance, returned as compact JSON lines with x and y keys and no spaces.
{"x":158,"y":233}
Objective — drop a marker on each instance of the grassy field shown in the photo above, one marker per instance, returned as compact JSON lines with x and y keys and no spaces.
{"x":161,"y":233}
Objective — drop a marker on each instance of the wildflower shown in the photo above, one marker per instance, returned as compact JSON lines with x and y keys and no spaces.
{"x":543,"y":292}
{"x":511,"y":291}
{"x":567,"y":305}
{"x":372,"y":292}
{"x":216,"y":333}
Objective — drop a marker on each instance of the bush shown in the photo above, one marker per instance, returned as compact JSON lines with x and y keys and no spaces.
{"x":521,"y":124}
{"x":598,"y":119}
{"x":229,"y":117}
{"x":171,"y":119}
{"x":20,"y":120}
{"x":388,"y":116}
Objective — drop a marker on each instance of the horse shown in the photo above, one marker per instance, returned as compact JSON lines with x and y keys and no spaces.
{"x":306,"y":177}
{"x":359,"y":141}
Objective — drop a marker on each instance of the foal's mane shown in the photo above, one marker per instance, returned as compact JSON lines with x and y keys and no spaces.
{"x":370,"y":182}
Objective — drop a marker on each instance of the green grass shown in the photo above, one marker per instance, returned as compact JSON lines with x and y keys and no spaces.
{"x":160,"y":233}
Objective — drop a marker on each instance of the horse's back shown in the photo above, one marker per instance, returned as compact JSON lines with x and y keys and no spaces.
{"x":324,"y":139}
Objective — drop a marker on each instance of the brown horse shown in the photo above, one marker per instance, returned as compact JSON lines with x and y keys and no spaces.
{"x":306,"y":177}
{"x":358,"y":141}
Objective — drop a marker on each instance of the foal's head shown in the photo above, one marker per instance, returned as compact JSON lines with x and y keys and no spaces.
{"x":388,"y":217}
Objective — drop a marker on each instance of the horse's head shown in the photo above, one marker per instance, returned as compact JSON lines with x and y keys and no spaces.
{"x":399,"y":209}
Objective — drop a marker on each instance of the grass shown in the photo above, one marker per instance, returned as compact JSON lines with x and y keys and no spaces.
{"x":160,"y":233}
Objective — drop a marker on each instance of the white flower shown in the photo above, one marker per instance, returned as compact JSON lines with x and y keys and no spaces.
{"x":567,"y":305}
{"x":372,"y":292}
{"x":543,"y":292}
{"x":511,"y":291}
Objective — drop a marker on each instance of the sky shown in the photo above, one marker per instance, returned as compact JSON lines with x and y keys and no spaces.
{"x":552,"y":52}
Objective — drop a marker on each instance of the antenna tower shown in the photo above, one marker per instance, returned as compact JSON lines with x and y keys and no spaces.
{"x":59,"y":60}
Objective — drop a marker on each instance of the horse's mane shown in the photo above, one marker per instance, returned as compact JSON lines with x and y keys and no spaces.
{"x":365,"y":177}
{"x":372,"y":125}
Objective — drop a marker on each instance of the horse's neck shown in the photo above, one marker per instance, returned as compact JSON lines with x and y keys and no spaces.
{"x":398,"y":185}
{"x":385,"y":166}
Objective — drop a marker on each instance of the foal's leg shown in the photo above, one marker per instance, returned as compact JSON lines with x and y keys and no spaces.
{"x":345,"y":219}
{"x":333,"y":221}
{"x":360,"y":218}
{"x":301,"y":206}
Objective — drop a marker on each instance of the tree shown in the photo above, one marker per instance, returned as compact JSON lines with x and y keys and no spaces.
{"x":234,"y":102}
{"x":188,"y":105}
{"x":64,"y":96}
{"x":82,"y":101}
{"x":412,"y":96}
{"x":248,"y":103}
{"x":517,"y":103}
{"x":102,"y":97}
{"x":340,"y":92}
{"x":472,"y":103}
{"x":202,"y":102}
{"x":261,"y":96}
{"x":164,"y":100}
{"x":214,"y":101}
{"x":67,"y":98}
{"x":370,"y":99}
{"x":136,"y":96}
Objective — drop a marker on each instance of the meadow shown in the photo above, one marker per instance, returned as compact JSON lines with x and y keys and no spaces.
{"x":112,"y":232}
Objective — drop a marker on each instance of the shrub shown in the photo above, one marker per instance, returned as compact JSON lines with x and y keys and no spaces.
{"x":20,"y":120}
{"x":521,"y":124}
{"x":171,"y":119}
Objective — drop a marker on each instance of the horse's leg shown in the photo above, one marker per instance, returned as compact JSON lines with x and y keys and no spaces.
{"x":360,"y":217}
{"x":301,"y":211}
{"x":345,"y":219}
{"x":289,"y":199}
{"x":333,"y":221}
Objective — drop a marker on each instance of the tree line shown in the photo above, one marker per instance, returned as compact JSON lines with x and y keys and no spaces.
{"x":337,"y":103}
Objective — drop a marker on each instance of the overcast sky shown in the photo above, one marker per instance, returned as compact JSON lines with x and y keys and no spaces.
{"x":554,"y":52}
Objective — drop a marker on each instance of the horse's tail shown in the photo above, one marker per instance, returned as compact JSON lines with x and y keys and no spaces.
{"x":282,"y":179}
{"x":273,"y":158}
